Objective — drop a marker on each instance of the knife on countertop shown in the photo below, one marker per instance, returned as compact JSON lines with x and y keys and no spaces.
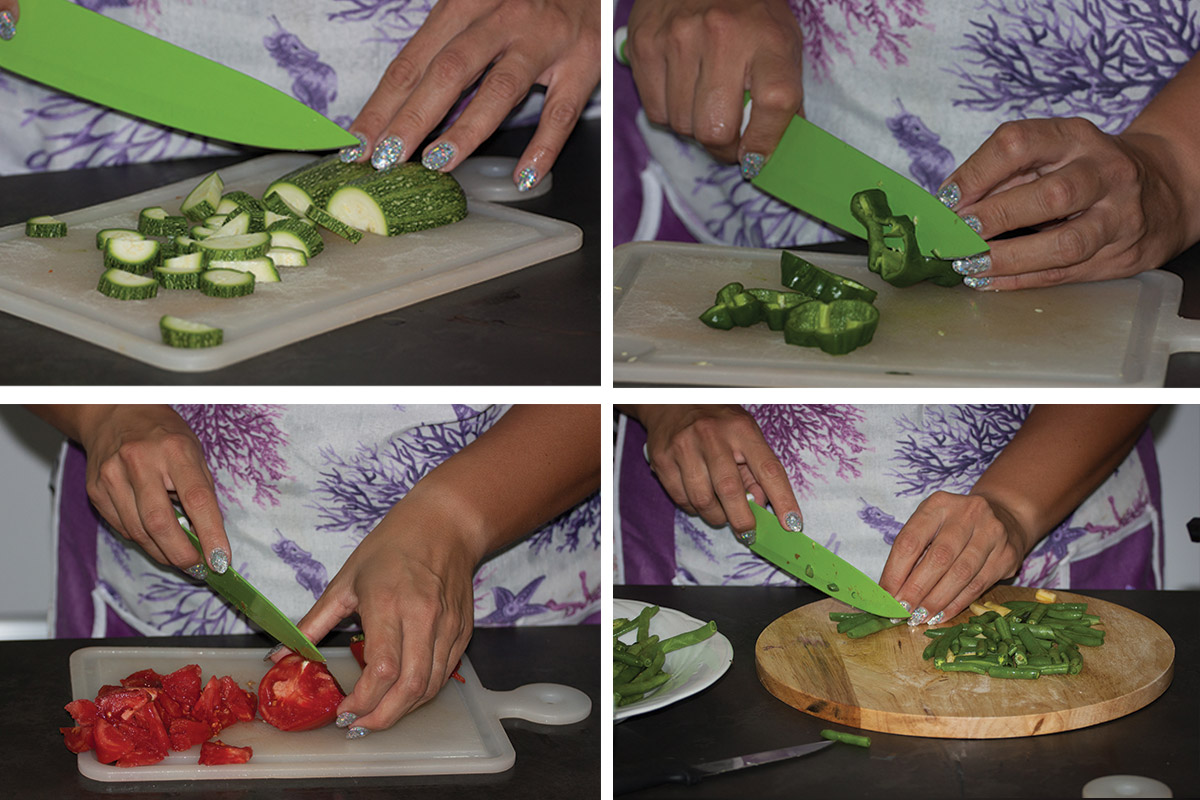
{"x":257,"y":608}
{"x":800,"y":556}
{"x":81,"y":52}
{"x":655,"y":773}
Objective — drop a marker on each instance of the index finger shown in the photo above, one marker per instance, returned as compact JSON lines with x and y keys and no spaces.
{"x":772,"y":477}
{"x":193,"y":485}
{"x":776,"y":98}
{"x":1013,"y":149}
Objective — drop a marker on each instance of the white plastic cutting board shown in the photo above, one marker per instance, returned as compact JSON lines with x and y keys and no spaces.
{"x":1112,"y":333}
{"x":53,"y":281}
{"x":459,"y":731}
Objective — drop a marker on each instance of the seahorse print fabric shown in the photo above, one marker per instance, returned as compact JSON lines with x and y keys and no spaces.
{"x":329,"y":55}
{"x":859,"y":472}
{"x":917,"y":85}
{"x":299,"y":487}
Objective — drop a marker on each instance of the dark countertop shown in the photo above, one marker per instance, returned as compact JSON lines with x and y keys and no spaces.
{"x":737,"y":716}
{"x":536,"y":326}
{"x":551,"y":761}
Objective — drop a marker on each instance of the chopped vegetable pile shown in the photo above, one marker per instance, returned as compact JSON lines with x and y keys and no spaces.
{"x":638,"y":667}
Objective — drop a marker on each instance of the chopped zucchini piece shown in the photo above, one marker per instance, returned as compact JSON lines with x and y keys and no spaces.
{"x":138,"y":256}
{"x":226,"y":283}
{"x":180,"y":272}
{"x":179,"y":332}
{"x":244,"y":201}
{"x":405,"y":198}
{"x":122,"y":285}
{"x":333,"y":224}
{"x":314,"y":183}
{"x":235,"y":225}
{"x":235,"y":248}
{"x":278,"y":206}
{"x":102,"y":236}
{"x":185,"y":244}
{"x":288,"y":257}
{"x":262,"y":268}
{"x":45,"y":228}
{"x":203,"y":200}
{"x":201,"y":232}
{"x":296,"y":234}
{"x":154,"y":221}
{"x":271,"y":217}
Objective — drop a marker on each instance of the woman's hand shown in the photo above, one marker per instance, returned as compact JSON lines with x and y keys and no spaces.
{"x":951,"y":551}
{"x":692,"y":61}
{"x":511,"y":45}
{"x":1100,"y":206}
{"x":139,"y":458}
{"x":709,"y":457}
{"x":10,"y":12}
{"x":410,"y":581}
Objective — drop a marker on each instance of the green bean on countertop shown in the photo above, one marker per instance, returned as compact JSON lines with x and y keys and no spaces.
{"x":846,"y":738}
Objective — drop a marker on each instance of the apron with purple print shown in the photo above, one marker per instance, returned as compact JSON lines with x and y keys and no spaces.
{"x":329,"y":55}
{"x":859,"y":472}
{"x":918,"y":86}
{"x":299,"y":487}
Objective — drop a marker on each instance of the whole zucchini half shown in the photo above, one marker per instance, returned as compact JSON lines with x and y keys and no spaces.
{"x":405,"y":198}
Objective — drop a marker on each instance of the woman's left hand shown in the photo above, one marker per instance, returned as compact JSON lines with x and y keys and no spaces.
{"x":506,"y":45}
{"x":951,"y":551}
{"x":410,"y":580}
{"x":1099,"y":206}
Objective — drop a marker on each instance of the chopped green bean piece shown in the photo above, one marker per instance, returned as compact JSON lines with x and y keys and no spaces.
{"x":846,"y":738}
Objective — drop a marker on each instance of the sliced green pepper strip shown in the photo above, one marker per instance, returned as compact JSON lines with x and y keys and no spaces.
{"x":837,"y":327}
{"x":819,"y":284}
{"x":903,"y":265}
{"x":776,"y":305}
{"x":733,"y":306}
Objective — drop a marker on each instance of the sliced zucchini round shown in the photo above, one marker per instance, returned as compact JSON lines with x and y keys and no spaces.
{"x":226,"y":283}
{"x":179,"y":332}
{"x":333,"y":224}
{"x":102,"y":236}
{"x":180,"y":272}
{"x":45,"y":228}
{"x":154,"y":221}
{"x":298,"y":235}
{"x":288,"y":257}
{"x":122,"y":285}
{"x":235,"y":248}
{"x":132,"y":255}
{"x":262,"y":268}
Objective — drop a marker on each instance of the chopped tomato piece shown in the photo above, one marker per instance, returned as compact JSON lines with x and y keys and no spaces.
{"x":357,"y":643}
{"x":187,"y":733}
{"x":298,"y":695}
{"x":223,"y":702}
{"x":220,"y":753}
{"x":79,"y":739}
{"x":83,"y":711}
{"x":110,"y":742}
{"x":146,"y":678}
{"x":183,"y":685}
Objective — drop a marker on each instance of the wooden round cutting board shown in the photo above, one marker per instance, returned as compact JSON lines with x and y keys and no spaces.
{"x":881,"y":683}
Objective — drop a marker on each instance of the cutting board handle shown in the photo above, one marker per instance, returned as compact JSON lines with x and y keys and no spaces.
{"x":1184,"y":335}
{"x":544,"y":703}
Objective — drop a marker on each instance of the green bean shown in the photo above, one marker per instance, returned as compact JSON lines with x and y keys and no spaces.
{"x":1089,"y":619}
{"x":630,"y":699}
{"x":986,"y":616}
{"x":964,"y":666}
{"x":627,"y":658}
{"x":846,"y":738}
{"x":1032,"y":645}
{"x":838,"y":616}
{"x":1035,"y":616}
{"x":1065,"y":613}
{"x":854,"y":621}
{"x":1024,"y":673}
{"x":1055,"y":669}
{"x":689,"y":638}
{"x":1003,"y":629}
{"x":874,"y":625}
{"x":936,"y":633}
{"x":642,"y":686}
{"x":1069,"y":606}
{"x":1041,"y":631}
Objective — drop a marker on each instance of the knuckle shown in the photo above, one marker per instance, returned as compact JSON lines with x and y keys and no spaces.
{"x":198,"y":500}
{"x":1012,"y":140}
{"x":157,"y":521}
{"x":505,"y":86}
{"x":940,"y":557}
{"x":402,"y":75}
{"x":1058,"y":196}
{"x":719,"y":21}
{"x":961,"y":572}
{"x":772,"y":468}
{"x":385,"y":670}
{"x":778,"y":96}
{"x":729,"y":486}
{"x":451,"y":67}
{"x":562,"y":115}
{"x":906,"y":544}
{"x":1071,"y":245}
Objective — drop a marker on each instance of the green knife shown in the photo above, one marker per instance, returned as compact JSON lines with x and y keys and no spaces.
{"x":800,"y":556}
{"x":818,"y":173}
{"x":251,"y":602}
{"x":78,"y":51}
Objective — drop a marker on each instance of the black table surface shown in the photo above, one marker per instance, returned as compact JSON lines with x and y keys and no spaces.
{"x":551,"y":761}
{"x":737,"y":716}
{"x":535,"y":326}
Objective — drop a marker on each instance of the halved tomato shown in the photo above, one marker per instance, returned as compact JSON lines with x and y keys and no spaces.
{"x":217,"y":752}
{"x":298,"y":695}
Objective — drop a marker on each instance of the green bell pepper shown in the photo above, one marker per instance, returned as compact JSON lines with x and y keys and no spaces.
{"x":777,"y":305}
{"x":837,"y":327}
{"x":807,"y":278}
{"x":734,"y":307}
{"x":900,"y":263}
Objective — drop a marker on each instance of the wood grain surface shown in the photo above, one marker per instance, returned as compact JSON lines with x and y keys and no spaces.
{"x":881,"y":683}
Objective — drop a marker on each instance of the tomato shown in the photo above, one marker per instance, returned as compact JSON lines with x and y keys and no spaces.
{"x":187,"y":733}
{"x":79,"y":739}
{"x":223,"y":702}
{"x":220,"y":753}
{"x":146,"y":678}
{"x":298,"y":695}
{"x":110,"y":742}
{"x":83,"y":711}
{"x":183,"y":686}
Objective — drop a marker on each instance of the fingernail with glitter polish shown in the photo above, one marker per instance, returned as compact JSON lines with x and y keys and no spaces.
{"x":950,"y":195}
{"x":356,"y":733}
{"x":218,"y":559}
{"x":752,"y":164}
{"x":907,"y":608}
{"x":973,"y":223}
{"x":8,"y":28}
{"x":271,"y":653}
{"x":526,"y":179}
{"x":345,"y":718}
{"x":349,"y":154}
{"x":387,"y":152}
{"x":918,"y":616}
{"x":793,"y":522}
{"x":439,"y":156}
{"x":197,"y":571}
{"x":936,"y":618}
{"x":972,"y":265}
{"x":977,"y":283}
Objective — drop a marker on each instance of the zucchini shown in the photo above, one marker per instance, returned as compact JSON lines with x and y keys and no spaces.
{"x":185,"y":244}
{"x":103,"y":235}
{"x":296,"y":234}
{"x":215,"y":221}
{"x":244,"y":201}
{"x":203,"y":200}
{"x":235,"y":248}
{"x":201,"y":232}
{"x":288,"y":257}
{"x":226,"y":283}
{"x":154,"y":221}
{"x":406,"y":198}
{"x":277,"y":206}
{"x":270,"y":218}
{"x":234,"y":225}
{"x":122,"y":285}
{"x":138,"y":256}
{"x":262,"y":268}
{"x":45,"y":228}
{"x":333,"y":224}
{"x":314,"y":183}
{"x":180,"y":272}
{"x":179,"y":332}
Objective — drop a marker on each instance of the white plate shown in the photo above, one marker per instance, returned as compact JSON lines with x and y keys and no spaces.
{"x":692,"y":668}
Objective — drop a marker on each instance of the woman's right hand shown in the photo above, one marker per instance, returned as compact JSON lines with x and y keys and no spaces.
{"x":693,"y":60}
{"x":138,"y":457}
{"x":709,"y":457}
{"x":8,"y":24}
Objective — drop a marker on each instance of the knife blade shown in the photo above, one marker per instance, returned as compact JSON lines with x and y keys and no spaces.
{"x":817,"y":566}
{"x":671,"y":770}
{"x":818,"y":173}
{"x":84,"y":53}
{"x":257,"y":608}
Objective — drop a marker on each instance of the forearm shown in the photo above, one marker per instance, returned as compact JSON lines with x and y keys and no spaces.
{"x":1059,"y":456}
{"x":534,"y":463}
